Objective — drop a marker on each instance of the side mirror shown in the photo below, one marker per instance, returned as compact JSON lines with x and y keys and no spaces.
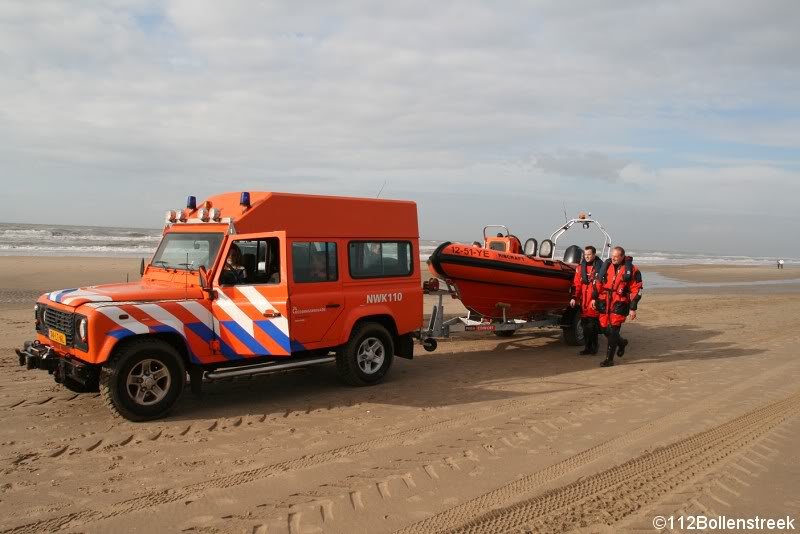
{"x":203,"y":278}
{"x":141,"y":268}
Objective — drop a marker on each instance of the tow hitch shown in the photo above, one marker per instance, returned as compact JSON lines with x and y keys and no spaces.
{"x":34,"y":355}
{"x":77,"y":376}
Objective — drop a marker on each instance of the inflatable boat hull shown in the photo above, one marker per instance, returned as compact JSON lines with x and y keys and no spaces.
{"x":485,"y":279}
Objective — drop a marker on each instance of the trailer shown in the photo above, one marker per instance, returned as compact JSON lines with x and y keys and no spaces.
{"x":483,"y":269}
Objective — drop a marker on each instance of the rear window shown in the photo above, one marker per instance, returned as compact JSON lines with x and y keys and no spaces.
{"x":378,"y":259}
{"x":314,"y":261}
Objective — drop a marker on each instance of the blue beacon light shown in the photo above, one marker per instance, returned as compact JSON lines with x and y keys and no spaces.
{"x":244,"y":200}
{"x":191,"y":203}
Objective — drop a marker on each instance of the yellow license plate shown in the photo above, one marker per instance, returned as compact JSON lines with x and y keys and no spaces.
{"x":58,"y":337}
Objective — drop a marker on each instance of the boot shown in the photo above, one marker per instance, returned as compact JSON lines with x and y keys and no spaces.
{"x":621,"y":348}
{"x":586,"y":350}
{"x":609,"y":361}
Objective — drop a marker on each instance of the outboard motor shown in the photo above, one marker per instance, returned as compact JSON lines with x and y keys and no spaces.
{"x":573,"y":254}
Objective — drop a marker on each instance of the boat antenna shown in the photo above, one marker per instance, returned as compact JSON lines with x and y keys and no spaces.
{"x":381,"y":190}
{"x":566,"y":219}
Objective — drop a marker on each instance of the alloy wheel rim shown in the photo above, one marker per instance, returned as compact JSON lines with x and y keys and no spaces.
{"x":148,"y":382}
{"x":370,"y":355}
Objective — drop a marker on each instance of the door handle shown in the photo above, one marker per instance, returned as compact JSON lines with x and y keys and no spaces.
{"x":272,"y":314}
{"x":334,"y":305}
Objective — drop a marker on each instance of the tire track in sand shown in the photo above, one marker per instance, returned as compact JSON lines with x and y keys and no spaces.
{"x":340,"y":505}
{"x":530,"y":483}
{"x":613,"y":494}
{"x":166,"y":496}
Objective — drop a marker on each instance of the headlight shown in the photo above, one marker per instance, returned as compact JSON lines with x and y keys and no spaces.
{"x":83,"y":329}
{"x":38,"y":313}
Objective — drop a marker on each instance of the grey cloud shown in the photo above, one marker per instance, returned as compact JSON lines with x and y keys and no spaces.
{"x":576,"y":164}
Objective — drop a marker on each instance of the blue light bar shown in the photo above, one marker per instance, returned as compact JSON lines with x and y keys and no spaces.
{"x":244,"y":200}
{"x":191,"y":203}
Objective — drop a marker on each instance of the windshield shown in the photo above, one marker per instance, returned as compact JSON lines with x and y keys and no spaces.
{"x":187,"y":251}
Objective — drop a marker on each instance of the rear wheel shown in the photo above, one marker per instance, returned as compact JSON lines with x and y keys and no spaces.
{"x":143,"y":381}
{"x":367,"y":356}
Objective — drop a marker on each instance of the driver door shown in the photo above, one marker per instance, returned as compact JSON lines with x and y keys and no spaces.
{"x":250,"y":304}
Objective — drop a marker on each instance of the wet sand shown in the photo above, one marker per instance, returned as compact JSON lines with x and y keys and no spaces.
{"x":484,"y":435}
{"x":725,"y":274}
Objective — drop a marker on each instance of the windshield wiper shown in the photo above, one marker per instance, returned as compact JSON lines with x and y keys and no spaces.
{"x":162,"y":263}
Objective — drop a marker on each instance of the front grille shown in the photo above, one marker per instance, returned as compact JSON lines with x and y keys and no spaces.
{"x":61,"y":321}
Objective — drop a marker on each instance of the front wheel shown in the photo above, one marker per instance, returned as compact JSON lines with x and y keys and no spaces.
{"x":367,"y":356}
{"x":143,"y":381}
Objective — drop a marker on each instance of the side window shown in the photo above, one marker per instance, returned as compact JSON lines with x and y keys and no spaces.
{"x":314,"y":261}
{"x":252,"y":262}
{"x":376,"y":259}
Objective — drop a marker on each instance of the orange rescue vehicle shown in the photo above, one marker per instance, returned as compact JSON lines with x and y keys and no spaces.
{"x":242,"y":284}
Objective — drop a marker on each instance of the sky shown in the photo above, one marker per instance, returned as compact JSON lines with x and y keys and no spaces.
{"x":677,"y":124}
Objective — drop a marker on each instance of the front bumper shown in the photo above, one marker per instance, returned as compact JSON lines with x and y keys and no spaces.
{"x":36,"y":355}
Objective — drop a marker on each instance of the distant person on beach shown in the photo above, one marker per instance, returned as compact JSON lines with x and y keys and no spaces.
{"x":582,"y":286}
{"x":780,"y":264}
{"x":618,"y":289}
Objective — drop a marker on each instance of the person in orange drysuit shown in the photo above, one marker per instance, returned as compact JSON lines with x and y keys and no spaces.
{"x":616,"y":294}
{"x":582,"y":287}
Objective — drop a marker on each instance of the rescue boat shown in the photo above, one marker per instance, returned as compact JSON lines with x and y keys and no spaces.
{"x":501,"y":278}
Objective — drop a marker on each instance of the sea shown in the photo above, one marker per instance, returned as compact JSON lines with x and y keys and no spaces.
{"x":59,"y":240}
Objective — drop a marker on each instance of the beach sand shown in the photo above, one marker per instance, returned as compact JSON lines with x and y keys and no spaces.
{"x":726,"y":273}
{"x":484,"y":435}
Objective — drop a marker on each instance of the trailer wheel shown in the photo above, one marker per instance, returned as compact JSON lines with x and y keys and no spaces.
{"x":573,"y":331}
{"x":143,"y":381}
{"x":504,"y":333}
{"x":366,"y":357}
{"x":429,"y":344}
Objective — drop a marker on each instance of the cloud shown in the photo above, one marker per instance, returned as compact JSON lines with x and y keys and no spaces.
{"x":575,"y":164}
{"x":618,"y":101}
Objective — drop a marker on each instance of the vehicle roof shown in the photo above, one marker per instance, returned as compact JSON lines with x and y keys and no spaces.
{"x":317,"y":216}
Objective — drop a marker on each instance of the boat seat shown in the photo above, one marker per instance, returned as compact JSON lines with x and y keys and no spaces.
{"x":546,"y":249}
{"x":531,"y":246}
{"x":573,"y":254}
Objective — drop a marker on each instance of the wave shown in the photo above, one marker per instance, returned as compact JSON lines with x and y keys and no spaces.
{"x":65,"y":240}
{"x":23,"y":236}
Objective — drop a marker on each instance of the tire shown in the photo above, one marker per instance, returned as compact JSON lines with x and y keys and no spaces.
{"x":141,"y":360}
{"x":366,"y":357}
{"x":573,"y":332}
{"x":504,"y":333}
